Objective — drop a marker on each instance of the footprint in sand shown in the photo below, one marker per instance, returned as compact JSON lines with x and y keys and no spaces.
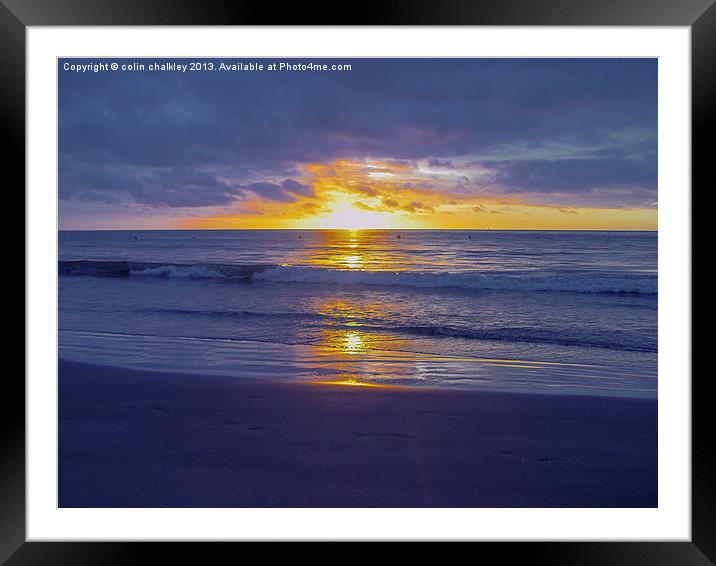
{"x":254,"y":428}
{"x":525,"y":459}
{"x":386,"y":440}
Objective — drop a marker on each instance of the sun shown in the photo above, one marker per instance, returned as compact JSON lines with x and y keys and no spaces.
{"x":347,"y":217}
{"x":344,"y":209}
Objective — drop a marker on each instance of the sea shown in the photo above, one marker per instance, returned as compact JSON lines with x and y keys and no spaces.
{"x":543,"y":312}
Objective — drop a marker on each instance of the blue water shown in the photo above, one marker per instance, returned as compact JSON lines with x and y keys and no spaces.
{"x":580,"y":299}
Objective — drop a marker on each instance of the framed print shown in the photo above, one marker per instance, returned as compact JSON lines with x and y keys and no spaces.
{"x":401,"y":280}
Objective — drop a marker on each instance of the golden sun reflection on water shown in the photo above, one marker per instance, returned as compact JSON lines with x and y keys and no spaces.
{"x":352,"y":250}
{"x":346,"y":350}
{"x":353,"y":342}
{"x":344,"y":332}
{"x":353,"y":382}
{"x":348,"y":342}
{"x":353,"y":351}
{"x":352,"y":261}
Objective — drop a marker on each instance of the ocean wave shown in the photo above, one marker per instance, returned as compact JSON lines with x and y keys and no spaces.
{"x":122,"y":269}
{"x":229,"y":314}
{"x":640,"y":284}
{"x":643,"y":284}
{"x":611,"y":340}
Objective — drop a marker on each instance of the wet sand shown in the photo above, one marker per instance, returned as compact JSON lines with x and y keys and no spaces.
{"x":132,"y":438}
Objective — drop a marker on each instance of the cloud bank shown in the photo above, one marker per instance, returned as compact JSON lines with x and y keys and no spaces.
{"x":560,"y":132}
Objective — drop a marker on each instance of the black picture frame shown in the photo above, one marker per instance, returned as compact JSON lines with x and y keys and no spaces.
{"x":16,"y":15}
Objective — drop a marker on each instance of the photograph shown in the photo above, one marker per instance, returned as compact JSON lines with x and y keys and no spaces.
{"x":357,"y":282}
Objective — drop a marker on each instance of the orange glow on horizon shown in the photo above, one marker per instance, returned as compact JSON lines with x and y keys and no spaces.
{"x":373,"y":195}
{"x":345,"y":216}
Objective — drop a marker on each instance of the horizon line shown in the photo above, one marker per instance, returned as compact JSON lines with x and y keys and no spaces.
{"x":357,"y":230}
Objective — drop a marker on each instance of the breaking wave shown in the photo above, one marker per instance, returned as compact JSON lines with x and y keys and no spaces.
{"x":121,"y":269}
{"x":641,"y":284}
{"x":644,"y":284}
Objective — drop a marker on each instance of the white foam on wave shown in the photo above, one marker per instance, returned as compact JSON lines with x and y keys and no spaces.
{"x":644,"y":284}
{"x":472,"y":280}
{"x":187,"y":271}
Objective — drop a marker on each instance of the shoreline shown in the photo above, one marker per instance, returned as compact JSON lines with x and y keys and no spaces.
{"x":350,"y":356}
{"x":130,"y":438}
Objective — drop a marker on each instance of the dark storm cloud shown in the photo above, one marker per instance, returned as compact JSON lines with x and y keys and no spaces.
{"x":204,"y":139}
{"x":172,"y":187}
{"x":573,"y":175}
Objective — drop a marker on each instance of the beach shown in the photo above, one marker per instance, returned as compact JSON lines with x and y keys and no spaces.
{"x":358,"y":283}
{"x":130,"y":438}
{"x":318,"y":368}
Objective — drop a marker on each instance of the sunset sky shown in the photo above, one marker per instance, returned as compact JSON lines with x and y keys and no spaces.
{"x":392,"y":143}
